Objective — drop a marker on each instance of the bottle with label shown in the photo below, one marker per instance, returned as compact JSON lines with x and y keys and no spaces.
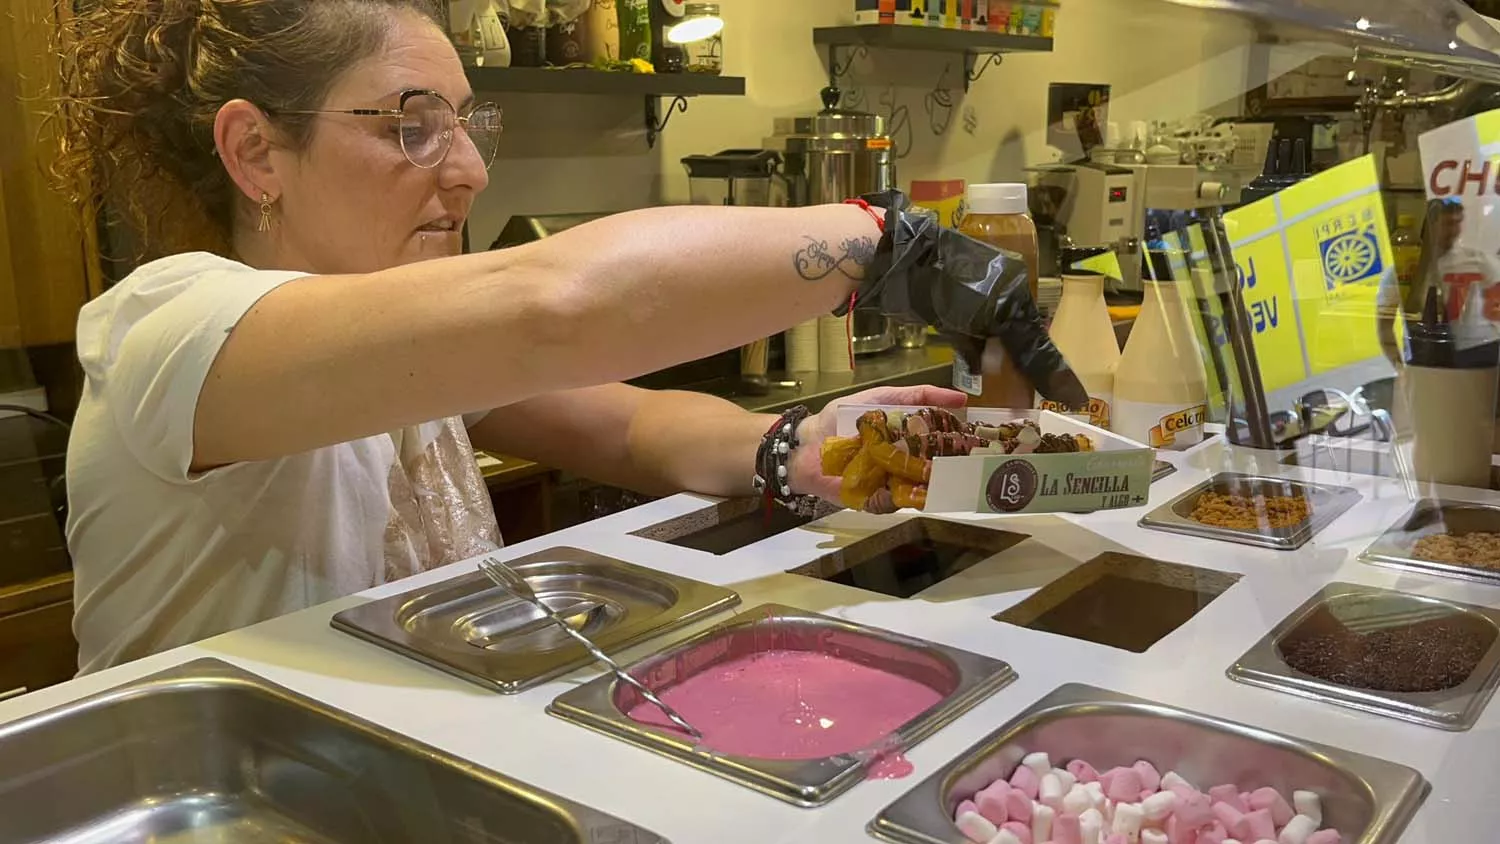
{"x":1084,"y":333}
{"x":997,"y":214}
{"x":1161,"y":391}
{"x":1407,"y":248}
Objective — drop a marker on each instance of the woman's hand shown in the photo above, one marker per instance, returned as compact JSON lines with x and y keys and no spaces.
{"x":806,"y":465}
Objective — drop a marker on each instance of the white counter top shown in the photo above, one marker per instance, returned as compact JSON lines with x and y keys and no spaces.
{"x":513,"y":734}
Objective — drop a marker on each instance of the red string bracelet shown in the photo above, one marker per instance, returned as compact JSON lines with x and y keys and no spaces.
{"x":854,"y":297}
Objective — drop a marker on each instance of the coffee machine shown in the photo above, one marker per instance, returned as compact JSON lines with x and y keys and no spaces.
{"x":829,"y":157}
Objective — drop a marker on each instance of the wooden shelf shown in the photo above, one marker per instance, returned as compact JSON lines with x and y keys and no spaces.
{"x":540,"y":80}
{"x":901,"y":37}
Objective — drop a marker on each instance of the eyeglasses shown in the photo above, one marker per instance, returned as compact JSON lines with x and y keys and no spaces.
{"x":427,"y":123}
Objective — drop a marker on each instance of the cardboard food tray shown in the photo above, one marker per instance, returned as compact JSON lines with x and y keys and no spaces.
{"x":1117,"y":474}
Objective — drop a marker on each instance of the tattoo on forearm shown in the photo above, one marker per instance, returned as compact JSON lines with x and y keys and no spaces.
{"x":816,"y":260}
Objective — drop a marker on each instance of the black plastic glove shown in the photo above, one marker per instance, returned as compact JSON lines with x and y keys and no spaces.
{"x":967,"y":289}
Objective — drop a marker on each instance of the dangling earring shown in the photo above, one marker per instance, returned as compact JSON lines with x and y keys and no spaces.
{"x":265,"y":212}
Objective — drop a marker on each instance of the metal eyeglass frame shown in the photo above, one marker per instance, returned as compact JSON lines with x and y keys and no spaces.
{"x":400,"y":111}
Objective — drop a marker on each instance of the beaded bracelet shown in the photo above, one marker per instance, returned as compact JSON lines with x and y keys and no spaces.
{"x":772,"y":459}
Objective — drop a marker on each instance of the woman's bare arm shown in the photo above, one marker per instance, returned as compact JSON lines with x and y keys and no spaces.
{"x":653,"y":441}
{"x":328,"y":359}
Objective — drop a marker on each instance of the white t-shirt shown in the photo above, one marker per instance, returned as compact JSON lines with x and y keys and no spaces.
{"x":163,"y":557}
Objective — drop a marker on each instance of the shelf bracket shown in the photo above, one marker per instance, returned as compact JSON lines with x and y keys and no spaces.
{"x":972,"y":74}
{"x":656,"y":124}
{"x":837,"y":71}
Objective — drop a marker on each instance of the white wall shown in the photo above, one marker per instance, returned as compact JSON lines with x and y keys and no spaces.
{"x":580,"y":153}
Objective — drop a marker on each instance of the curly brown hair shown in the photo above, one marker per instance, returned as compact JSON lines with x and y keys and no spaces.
{"x":142,"y":80}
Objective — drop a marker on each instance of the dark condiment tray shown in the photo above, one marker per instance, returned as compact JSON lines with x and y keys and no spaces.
{"x":1325,"y":503}
{"x":963,"y":679}
{"x":1428,"y":517}
{"x":1366,"y":608}
{"x":1120,"y":600}
{"x":910,"y":556}
{"x":1370,"y":800}
{"x":729,"y":525}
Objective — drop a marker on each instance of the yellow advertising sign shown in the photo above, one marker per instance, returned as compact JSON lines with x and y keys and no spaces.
{"x":1312,"y":258}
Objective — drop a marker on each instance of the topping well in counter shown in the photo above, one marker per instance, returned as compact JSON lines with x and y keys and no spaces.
{"x":1427,"y":656}
{"x":1075,"y":804}
{"x":1239,"y":512}
{"x":1480,"y":548}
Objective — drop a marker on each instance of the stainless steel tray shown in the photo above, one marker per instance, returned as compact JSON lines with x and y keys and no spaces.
{"x":473,"y":629}
{"x":1428,"y":517}
{"x":1160,"y":469}
{"x":1369,"y":800}
{"x":1325,"y":501}
{"x":208,"y":752}
{"x":1365,"y":607}
{"x":964,"y":677}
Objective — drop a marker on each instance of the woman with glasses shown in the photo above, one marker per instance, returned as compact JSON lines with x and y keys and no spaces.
{"x":279,"y":408}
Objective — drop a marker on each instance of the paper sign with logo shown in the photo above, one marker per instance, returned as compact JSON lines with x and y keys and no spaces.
{"x":1116,"y":474}
{"x":1312,"y":258}
{"x":1461,"y":167}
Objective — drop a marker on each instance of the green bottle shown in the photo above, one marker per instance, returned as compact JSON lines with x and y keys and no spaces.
{"x":635,"y":29}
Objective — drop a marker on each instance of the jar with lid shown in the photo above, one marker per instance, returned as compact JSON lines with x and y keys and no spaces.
{"x":700,"y":34}
{"x":998,"y":215}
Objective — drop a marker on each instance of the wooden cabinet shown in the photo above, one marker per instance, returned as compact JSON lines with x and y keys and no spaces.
{"x":48,"y":261}
{"x":37,"y":648}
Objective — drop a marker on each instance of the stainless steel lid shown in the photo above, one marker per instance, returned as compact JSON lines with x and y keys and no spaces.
{"x":830,"y":130}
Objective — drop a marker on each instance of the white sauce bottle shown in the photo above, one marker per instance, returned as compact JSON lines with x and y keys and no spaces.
{"x":1084,"y":333}
{"x":1161,"y":391}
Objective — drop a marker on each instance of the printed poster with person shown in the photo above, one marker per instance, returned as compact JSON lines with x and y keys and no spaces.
{"x":1461,"y":166}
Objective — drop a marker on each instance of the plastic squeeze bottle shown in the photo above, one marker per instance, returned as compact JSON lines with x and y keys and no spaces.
{"x":1084,"y":333}
{"x":1161,"y":391}
{"x":997,"y":215}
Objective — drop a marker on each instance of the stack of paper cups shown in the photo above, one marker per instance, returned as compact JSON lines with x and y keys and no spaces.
{"x":833,"y":344}
{"x":802,"y":347}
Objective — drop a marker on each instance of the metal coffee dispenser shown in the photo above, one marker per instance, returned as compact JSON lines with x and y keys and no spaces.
{"x":829,"y":157}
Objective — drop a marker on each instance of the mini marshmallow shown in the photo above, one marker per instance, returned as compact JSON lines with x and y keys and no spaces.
{"x":1021,"y":831}
{"x":1323,"y":836}
{"x":1083,"y":771}
{"x":1153,"y":836}
{"x":1271,"y":800}
{"x":1026,"y":781}
{"x":1124,"y":786}
{"x":1005,"y":836}
{"x":1039,"y":763}
{"x":1228,"y":794}
{"x":1091,"y":824}
{"x":1184,"y":791}
{"x":1212,"y":835}
{"x":1297,"y":830}
{"x":1172,"y":778}
{"x":1067,"y":829}
{"x":1231,"y":841}
{"x":1117,"y":838}
{"x":1308,"y":803}
{"x":965,"y":806}
{"x":1150,"y":777}
{"x":1255,"y":826}
{"x":1229,"y":816}
{"x":1078,"y":800}
{"x":1096,"y":794}
{"x":1128,"y":818}
{"x":1017,"y":806}
{"x":976,"y":828}
{"x":1041,"y":822}
{"x":1194,"y":811}
{"x":1180,"y":833}
{"x":1050,"y":792}
{"x":1159,"y":805}
{"x":1067,"y":779}
{"x":991,"y":803}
